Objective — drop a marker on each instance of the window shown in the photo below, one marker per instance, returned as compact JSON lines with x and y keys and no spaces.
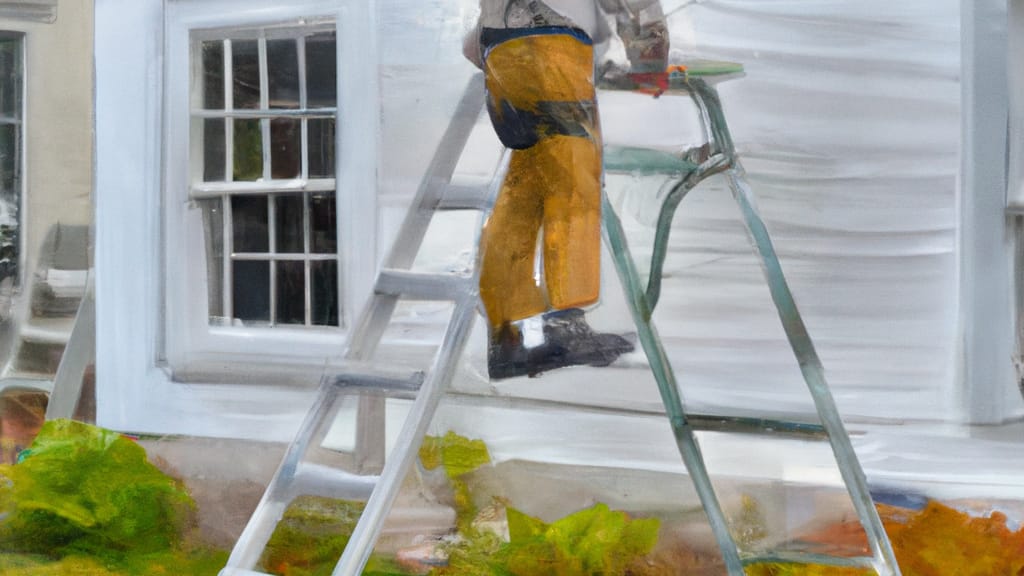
{"x":264,"y":175}
{"x":267,"y":222}
{"x":11,"y":142}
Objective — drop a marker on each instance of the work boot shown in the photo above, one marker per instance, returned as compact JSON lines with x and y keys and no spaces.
{"x":570,"y":341}
{"x":506,"y":355}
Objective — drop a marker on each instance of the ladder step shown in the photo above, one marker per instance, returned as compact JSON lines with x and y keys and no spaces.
{"x":420,"y":286}
{"x":757,"y":426}
{"x":320,"y":480}
{"x":466,"y":197}
{"x":229,"y":571}
{"x":783,"y":557}
{"x":360,"y":375}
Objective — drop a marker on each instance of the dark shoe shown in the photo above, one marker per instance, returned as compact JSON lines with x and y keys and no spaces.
{"x":506,"y":355}
{"x":570,"y":341}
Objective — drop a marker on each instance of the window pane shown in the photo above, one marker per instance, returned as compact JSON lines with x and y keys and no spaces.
{"x":285,"y":147}
{"x":213,"y":149}
{"x":8,"y":160}
{"x":213,"y":236}
{"x":213,"y":75}
{"x":324,"y":276}
{"x":10,"y":78}
{"x":245,"y":67}
{"x":321,"y":148}
{"x":291,"y":292}
{"x":283,"y":73}
{"x":251,"y":290}
{"x":289,"y":223}
{"x":321,"y":71}
{"x":323,"y":221}
{"x":249,"y":220}
{"x":248,"y":150}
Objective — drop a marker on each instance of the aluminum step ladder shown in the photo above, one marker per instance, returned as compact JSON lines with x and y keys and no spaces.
{"x":377,"y":480}
{"x":718,"y":156}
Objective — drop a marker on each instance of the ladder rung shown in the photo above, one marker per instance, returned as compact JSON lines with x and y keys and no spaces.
{"x":361,"y":375}
{"x":420,"y":286}
{"x":232,"y":571}
{"x":783,"y":557}
{"x":698,"y":422}
{"x":759,"y":426}
{"x":320,"y":480}
{"x":466,"y":197}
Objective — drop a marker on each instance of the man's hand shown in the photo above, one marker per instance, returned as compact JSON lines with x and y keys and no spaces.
{"x":646,"y":44}
{"x":640,"y":24}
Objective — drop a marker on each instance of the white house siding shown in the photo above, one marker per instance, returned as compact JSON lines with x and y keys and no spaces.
{"x":847,"y":122}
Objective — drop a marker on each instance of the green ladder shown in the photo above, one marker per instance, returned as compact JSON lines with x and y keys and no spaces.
{"x":718,"y":156}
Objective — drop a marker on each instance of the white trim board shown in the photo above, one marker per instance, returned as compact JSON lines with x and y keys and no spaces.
{"x":986,"y":378}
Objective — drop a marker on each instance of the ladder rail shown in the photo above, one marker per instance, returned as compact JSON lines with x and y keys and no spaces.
{"x":395,"y":281}
{"x":723,"y":160}
{"x":79,"y":352}
{"x":253,"y":540}
{"x":438,"y":175}
{"x":686,"y":441}
{"x":369,"y":328}
{"x":368,"y":528}
{"x":716,"y":129}
{"x":814,"y":375}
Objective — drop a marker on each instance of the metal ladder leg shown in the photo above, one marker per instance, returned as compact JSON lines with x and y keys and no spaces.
{"x":394,"y":281}
{"x":360,"y":544}
{"x":261,"y":525}
{"x":375,"y":317}
{"x":686,"y":441}
{"x":814,"y":375}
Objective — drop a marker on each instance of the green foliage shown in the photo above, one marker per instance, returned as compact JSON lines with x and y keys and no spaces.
{"x":82,"y":489}
{"x":311,"y":537}
{"x":248,"y":160}
{"x":84,"y":500}
{"x":592,"y":541}
{"x":459,"y":455}
{"x":597,"y":540}
{"x":473,"y":556}
{"x":522,"y":527}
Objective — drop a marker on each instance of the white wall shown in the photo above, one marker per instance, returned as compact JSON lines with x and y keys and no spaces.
{"x":848,"y":122}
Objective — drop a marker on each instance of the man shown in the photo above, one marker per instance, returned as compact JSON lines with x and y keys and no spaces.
{"x":538,"y":59}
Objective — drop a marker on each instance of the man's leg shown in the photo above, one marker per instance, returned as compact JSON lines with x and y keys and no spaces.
{"x":508,"y":247}
{"x":572,"y":222}
{"x":572,"y":257}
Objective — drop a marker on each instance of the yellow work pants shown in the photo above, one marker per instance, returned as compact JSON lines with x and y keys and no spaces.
{"x":543,"y":81}
{"x":555,"y":185}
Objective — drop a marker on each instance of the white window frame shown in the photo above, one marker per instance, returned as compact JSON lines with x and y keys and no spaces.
{"x":161,"y":366}
{"x":986,"y":389}
{"x":194,"y":347}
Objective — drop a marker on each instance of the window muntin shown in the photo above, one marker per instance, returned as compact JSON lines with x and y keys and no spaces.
{"x":264,"y":112}
{"x":11,"y":150}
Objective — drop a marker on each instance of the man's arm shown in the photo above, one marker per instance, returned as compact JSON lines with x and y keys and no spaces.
{"x":471,"y":46}
{"x":641,"y":26}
